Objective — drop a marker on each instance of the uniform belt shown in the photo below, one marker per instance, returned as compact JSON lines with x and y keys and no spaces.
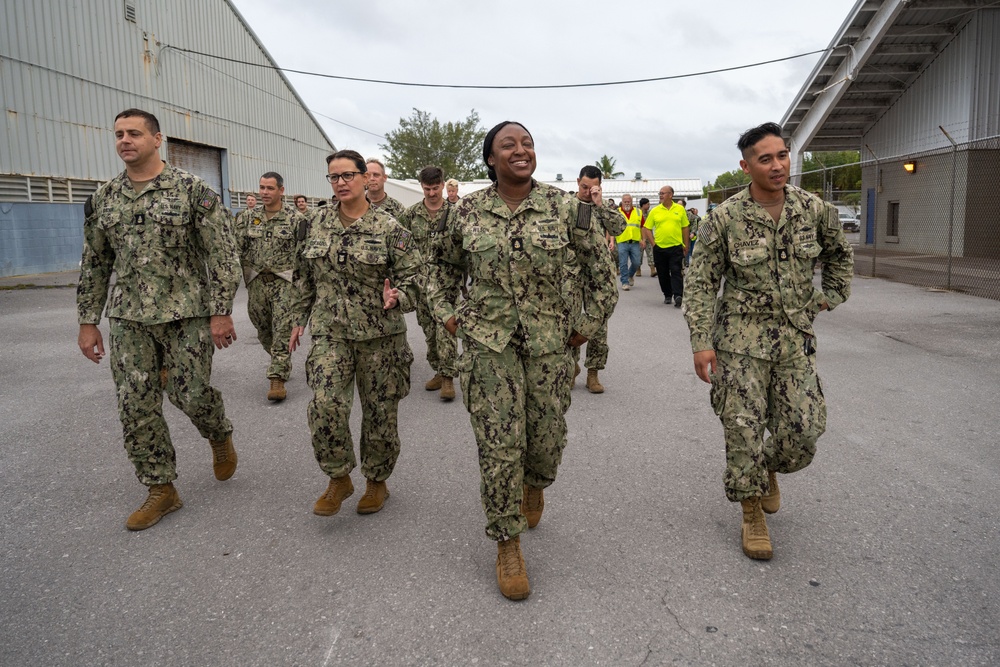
{"x":267,"y":277}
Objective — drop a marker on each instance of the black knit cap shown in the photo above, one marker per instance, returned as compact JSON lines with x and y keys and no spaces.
{"x":488,"y":145}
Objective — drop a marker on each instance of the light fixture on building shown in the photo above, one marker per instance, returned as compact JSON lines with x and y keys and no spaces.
{"x":558,"y":177}
{"x":909,"y":167}
{"x":638,"y":175}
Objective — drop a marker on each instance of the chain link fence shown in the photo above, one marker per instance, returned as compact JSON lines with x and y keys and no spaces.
{"x":930,"y":218}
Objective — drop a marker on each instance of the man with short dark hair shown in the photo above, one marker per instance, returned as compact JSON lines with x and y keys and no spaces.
{"x":666,"y":229}
{"x":589,"y":203}
{"x":755,"y":343}
{"x":267,"y":242}
{"x":424,"y":220}
{"x":302,"y":204}
{"x":170,"y":242}
{"x":377,"y":195}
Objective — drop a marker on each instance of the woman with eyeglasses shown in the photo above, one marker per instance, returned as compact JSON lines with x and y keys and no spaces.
{"x":355,"y":277}
{"x":542,"y":281}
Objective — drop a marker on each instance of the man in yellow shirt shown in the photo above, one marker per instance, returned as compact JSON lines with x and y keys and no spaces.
{"x":666,"y":229}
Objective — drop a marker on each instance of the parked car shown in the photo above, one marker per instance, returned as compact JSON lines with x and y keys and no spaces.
{"x":850,"y":223}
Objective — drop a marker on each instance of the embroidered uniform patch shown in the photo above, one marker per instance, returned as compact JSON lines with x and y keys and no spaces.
{"x":402,"y":241}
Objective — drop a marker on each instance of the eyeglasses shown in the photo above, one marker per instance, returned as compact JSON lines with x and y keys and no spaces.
{"x":347,"y":176}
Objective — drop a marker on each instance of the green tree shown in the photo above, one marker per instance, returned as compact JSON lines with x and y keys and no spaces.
{"x":607,"y":166}
{"x":837,"y":177}
{"x":725,"y":185}
{"x":422,"y":141}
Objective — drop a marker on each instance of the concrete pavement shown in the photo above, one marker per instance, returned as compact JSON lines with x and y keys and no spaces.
{"x":886,"y":547}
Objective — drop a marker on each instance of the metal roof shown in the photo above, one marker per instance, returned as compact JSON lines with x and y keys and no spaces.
{"x":880,"y":50}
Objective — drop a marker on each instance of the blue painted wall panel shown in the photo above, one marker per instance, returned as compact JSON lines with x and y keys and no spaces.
{"x":40,"y":238}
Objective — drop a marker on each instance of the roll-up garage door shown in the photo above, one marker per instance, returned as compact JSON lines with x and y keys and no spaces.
{"x":202,"y":161}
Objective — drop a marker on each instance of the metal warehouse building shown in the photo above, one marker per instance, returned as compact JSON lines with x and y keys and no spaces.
{"x":915,"y":86}
{"x":67,"y":69}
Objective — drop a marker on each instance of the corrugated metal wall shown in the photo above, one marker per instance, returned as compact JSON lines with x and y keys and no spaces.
{"x":68,"y":67}
{"x":957,"y":84}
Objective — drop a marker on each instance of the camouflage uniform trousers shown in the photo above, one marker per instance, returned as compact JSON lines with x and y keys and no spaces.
{"x":784,"y":396}
{"x":597,"y":351}
{"x":381,"y":368}
{"x":138,"y":352}
{"x":269,"y":307}
{"x":442,"y":347}
{"x":648,"y":252}
{"x":517,"y":405}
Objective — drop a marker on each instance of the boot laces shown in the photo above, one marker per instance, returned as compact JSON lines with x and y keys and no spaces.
{"x":152,"y":499}
{"x":533,"y":501}
{"x":219,"y":449}
{"x":758,"y":528}
{"x":510,"y":562}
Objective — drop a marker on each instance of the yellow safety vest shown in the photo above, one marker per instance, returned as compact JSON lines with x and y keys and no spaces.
{"x":633,"y":224}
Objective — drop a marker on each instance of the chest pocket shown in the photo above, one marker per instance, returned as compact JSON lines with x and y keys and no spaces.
{"x":172,"y":229}
{"x":806,"y":246}
{"x":548,"y":239}
{"x":370,"y":252}
{"x":316,"y":248}
{"x":109,"y":219}
{"x":483,"y":254}
{"x":750,"y":256}
{"x":254,"y":230}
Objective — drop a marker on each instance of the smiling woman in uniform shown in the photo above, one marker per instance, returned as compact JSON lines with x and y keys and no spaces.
{"x":529,"y":258}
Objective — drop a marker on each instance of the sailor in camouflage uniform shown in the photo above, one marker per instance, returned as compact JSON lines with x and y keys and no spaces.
{"x":423,"y":219}
{"x":612,"y":224}
{"x":377,"y":196}
{"x":531,"y":261}
{"x":755,"y":343}
{"x":170,"y":243}
{"x":356,"y":275}
{"x":266,"y":238}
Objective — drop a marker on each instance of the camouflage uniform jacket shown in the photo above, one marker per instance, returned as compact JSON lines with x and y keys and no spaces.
{"x":171,"y":246}
{"x":607,"y":221}
{"x":389,"y":205}
{"x":527,"y":269}
{"x":268,"y":246}
{"x":768,"y":271}
{"x":424,"y":227}
{"x":341,"y":271}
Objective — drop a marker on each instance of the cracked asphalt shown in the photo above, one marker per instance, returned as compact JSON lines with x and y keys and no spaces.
{"x":886,"y":547}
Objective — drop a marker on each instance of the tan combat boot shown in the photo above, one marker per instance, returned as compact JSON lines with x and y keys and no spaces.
{"x":162,"y":500}
{"x":532,"y":504}
{"x":576,"y":371}
{"x":593,"y":384}
{"x":652,"y":272}
{"x":771,"y":501}
{"x":638,"y":272}
{"x":434,"y":383}
{"x":447,"y":389}
{"x":223,"y":458}
{"x":374,"y":498}
{"x":338,"y":489}
{"x":512,"y":574}
{"x":756,"y":540}
{"x":277,"y":392}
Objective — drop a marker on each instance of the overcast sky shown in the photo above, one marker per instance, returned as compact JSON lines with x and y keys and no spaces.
{"x":685,"y":128}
